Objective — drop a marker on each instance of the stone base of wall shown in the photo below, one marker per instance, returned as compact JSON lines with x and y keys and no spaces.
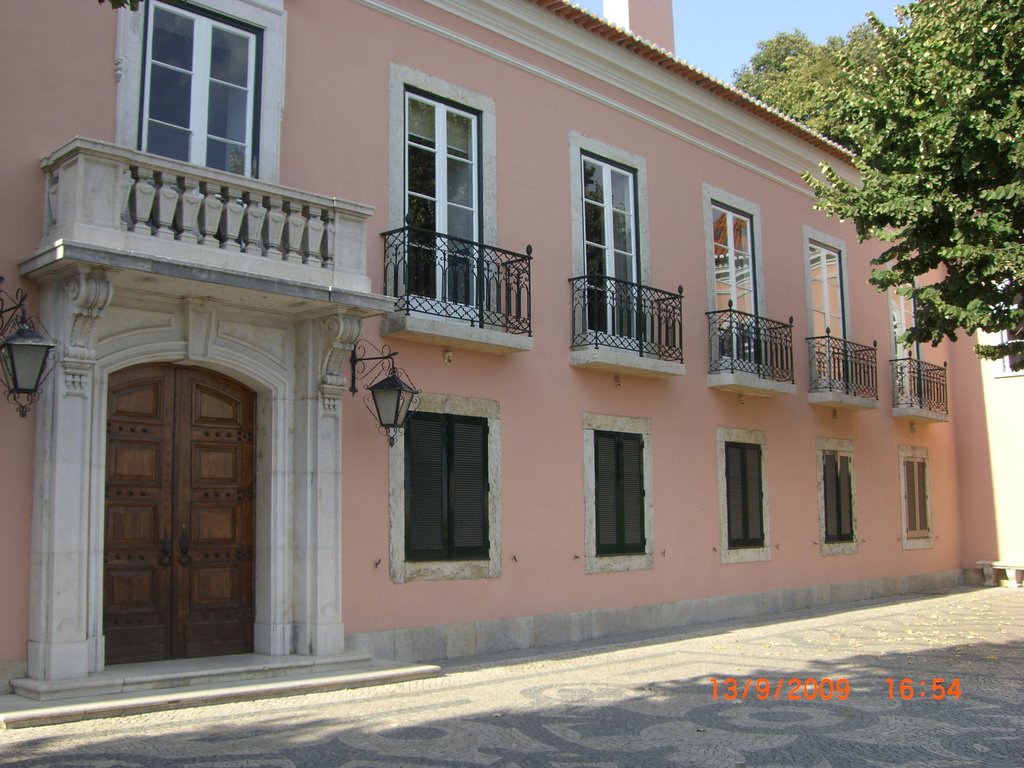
{"x":11,"y":670}
{"x":472,"y":638}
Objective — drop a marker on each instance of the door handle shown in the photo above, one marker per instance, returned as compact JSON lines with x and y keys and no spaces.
{"x":165,"y":550}
{"x":183,"y":546}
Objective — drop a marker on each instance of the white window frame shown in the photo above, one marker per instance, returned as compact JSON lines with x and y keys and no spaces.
{"x":743,"y":554}
{"x":402,"y":570}
{"x":594,"y":563}
{"x":581,"y":145}
{"x":714,"y":197}
{"x":268,"y":15}
{"x":814,"y":239}
{"x":917,"y":540}
{"x":842,"y":448}
{"x":402,"y":79}
{"x":200,"y":80}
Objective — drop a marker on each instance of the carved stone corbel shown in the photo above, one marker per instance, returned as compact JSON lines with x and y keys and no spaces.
{"x":339,"y":333}
{"x":90,"y":292}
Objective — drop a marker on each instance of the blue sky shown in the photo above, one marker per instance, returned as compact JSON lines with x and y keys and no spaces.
{"x":720,"y":37}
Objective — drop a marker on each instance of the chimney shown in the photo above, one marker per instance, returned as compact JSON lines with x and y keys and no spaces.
{"x":650,"y":19}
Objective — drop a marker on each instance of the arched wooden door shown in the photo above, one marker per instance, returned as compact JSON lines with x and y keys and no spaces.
{"x":178,"y":541}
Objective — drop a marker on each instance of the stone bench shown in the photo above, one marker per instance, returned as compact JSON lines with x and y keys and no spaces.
{"x":1013,"y":572}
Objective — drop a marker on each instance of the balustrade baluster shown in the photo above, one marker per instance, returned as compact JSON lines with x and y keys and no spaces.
{"x":188,"y":211}
{"x":314,"y":236}
{"x":252,"y":226}
{"x":276,"y":217}
{"x":210,"y":213}
{"x":330,"y":232}
{"x":296,"y":226}
{"x":166,"y":205}
{"x":142,"y":201}
{"x":231,"y":222}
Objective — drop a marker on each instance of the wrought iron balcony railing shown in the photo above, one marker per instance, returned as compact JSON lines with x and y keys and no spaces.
{"x":740,"y":342}
{"x":838,"y":365}
{"x":607,"y":312}
{"x":917,"y":384}
{"x":436,"y":274}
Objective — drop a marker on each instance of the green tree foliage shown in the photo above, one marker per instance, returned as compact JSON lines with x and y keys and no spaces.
{"x":805,"y":80}
{"x":115,"y":4}
{"x":937,"y":122}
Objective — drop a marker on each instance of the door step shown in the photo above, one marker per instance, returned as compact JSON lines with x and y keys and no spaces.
{"x":132,"y":688}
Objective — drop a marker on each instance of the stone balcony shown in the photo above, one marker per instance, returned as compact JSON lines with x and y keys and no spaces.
{"x":172,"y":228}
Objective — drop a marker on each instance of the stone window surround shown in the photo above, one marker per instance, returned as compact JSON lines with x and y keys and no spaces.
{"x":915,"y":542}
{"x":402,"y":570}
{"x":268,"y":15}
{"x":594,"y":563}
{"x":743,"y":554}
{"x":711,"y":196}
{"x":400,"y":78}
{"x":843,"y":447}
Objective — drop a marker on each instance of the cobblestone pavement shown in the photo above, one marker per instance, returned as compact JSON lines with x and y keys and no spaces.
{"x":645,"y":701}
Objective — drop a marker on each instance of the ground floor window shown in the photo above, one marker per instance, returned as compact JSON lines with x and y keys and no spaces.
{"x":916,"y":512}
{"x":836,"y":505}
{"x":743,"y":498}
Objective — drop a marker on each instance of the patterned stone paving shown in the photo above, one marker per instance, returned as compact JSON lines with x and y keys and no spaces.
{"x":646,"y":702}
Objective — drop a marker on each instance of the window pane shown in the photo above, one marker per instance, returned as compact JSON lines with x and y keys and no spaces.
{"x":172,"y":39}
{"x":421,"y":123}
{"x":422,"y":174}
{"x":622,"y":199}
{"x":460,"y":182}
{"x":225,"y":156}
{"x":460,"y":136}
{"x":229,"y":57}
{"x":719,"y":227}
{"x":167,"y":141}
{"x":170,"y":96}
{"x":593,"y":223}
{"x":460,"y":222}
{"x":228,"y":115}
{"x":593,"y":182}
{"x":622,"y":226}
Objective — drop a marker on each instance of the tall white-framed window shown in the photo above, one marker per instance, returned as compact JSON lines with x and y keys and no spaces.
{"x":442,"y":205}
{"x":915,"y":502}
{"x":828,"y":300}
{"x":610,"y":239}
{"x":901,"y":316}
{"x":258,"y":23}
{"x":837,"y":494}
{"x":200,"y":89}
{"x":732,"y":227}
{"x":734,"y":259}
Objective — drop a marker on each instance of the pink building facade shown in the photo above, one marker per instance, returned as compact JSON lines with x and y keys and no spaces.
{"x":657,"y":388}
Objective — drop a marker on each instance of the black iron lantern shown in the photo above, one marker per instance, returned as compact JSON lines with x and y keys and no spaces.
{"x":24,"y":352}
{"x":393,"y":398}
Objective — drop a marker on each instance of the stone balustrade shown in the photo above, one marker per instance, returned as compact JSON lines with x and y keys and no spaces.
{"x":108,"y":197}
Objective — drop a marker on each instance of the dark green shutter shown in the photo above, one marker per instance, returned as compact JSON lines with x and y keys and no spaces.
{"x":606,"y":492}
{"x":446,"y":487}
{"x":743,"y":492}
{"x":468,"y":487}
{"x":909,"y":466}
{"x":830,"y":486}
{"x":845,"y":531}
{"x":424,"y":486}
{"x":922,"y":498}
{"x":632,"y":493}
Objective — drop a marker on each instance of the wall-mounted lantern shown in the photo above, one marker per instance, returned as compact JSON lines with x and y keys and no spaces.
{"x":393,"y":398}
{"x":24,"y":351}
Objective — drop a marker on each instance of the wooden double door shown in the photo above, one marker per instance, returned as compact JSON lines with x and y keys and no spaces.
{"x":178,"y":546}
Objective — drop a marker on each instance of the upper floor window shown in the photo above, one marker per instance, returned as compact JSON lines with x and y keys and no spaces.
{"x":609,"y":219}
{"x":201,"y":90}
{"x":442,"y":198}
{"x":734,"y":258}
{"x":828,"y":311}
{"x":901,"y":310}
